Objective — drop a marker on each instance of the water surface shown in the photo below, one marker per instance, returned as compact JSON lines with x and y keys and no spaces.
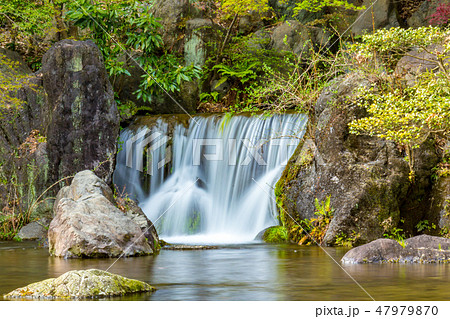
{"x":239,"y":272}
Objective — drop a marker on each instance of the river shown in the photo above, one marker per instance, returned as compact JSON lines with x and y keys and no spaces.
{"x":239,"y":272}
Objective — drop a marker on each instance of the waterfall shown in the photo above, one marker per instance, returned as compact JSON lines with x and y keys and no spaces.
{"x":209,"y":179}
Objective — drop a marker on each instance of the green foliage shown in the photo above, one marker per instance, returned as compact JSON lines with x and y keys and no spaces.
{"x":125,"y":29}
{"x":396,"y":234}
{"x":10,"y":82}
{"x":424,"y":225}
{"x":390,"y":45}
{"x":312,"y":231}
{"x":24,"y":25}
{"x":407,"y":115}
{"x":317,"y":5}
{"x":241,"y":7}
{"x":345,"y":240}
{"x":276,"y":235}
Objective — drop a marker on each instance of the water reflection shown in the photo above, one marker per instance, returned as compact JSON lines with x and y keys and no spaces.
{"x":239,"y":272}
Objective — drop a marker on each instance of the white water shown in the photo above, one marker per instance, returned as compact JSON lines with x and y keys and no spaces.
{"x":225,"y":199}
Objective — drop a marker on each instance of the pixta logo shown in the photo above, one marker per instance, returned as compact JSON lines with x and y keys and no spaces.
{"x":146,"y":147}
{"x":143,"y":149}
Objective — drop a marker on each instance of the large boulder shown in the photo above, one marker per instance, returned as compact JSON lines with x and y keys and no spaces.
{"x":419,"y":249}
{"x":84,"y":119}
{"x":383,"y":14}
{"x":88,"y":224}
{"x":81,"y":284}
{"x":366,"y":177}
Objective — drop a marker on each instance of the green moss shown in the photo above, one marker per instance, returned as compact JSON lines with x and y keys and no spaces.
{"x":276,"y":235}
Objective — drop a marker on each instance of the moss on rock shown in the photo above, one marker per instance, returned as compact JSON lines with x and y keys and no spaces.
{"x":80,"y":284}
{"x":275,"y":235}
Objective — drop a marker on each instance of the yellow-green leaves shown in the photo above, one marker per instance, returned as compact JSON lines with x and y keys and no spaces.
{"x":242,"y":7}
{"x":317,"y":5}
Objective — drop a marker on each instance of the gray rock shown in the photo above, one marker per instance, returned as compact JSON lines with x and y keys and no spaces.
{"x":36,"y":230}
{"x":419,"y":249}
{"x":173,"y":13}
{"x":376,"y":251}
{"x":84,"y":121}
{"x":417,"y":62}
{"x":200,"y":37}
{"x":440,"y":201}
{"x":132,"y":210}
{"x":293,"y":36}
{"x":384,"y":16}
{"x":87,"y":223}
{"x":420,"y":17}
{"x":81,"y":284}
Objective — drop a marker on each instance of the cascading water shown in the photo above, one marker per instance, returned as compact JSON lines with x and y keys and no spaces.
{"x":212,"y":180}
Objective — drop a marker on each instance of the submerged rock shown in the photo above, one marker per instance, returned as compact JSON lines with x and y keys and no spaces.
{"x":419,"y":249}
{"x":88,"y":224}
{"x":78,"y":284}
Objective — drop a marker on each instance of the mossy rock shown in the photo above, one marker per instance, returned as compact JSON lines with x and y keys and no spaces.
{"x":81,"y":284}
{"x":275,"y":235}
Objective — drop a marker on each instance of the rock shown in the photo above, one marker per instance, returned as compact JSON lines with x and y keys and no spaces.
{"x":87,"y":223}
{"x":173,"y":15}
{"x":200,"y":36}
{"x":384,"y":17}
{"x":421,"y":17}
{"x":260,"y":40}
{"x":35,"y":230}
{"x":376,"y":251}
{"x":285,"y":9}
{"x":273,"y":235}
{"x":251,"y":22}
{"x":81,"y":284}
{"x":20,"y":68}
{"x":419,"y":249}
{"x":366,"y":177}
{"x":295,"y":37}
{"x":440,"y":201}
{"x":132,"y":210}
{"x":22,"y":137}
{"x":84,"y":122}
{"x":417,"y":62}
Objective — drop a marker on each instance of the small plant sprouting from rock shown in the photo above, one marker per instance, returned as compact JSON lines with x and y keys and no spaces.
{"x":345,"y":240}
{"x":312,"y":231}
{"x":425,"y":226}
{"x":398,"y":235}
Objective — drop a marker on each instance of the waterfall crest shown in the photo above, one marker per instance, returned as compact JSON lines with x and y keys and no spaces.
{"x":210,"y":181}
